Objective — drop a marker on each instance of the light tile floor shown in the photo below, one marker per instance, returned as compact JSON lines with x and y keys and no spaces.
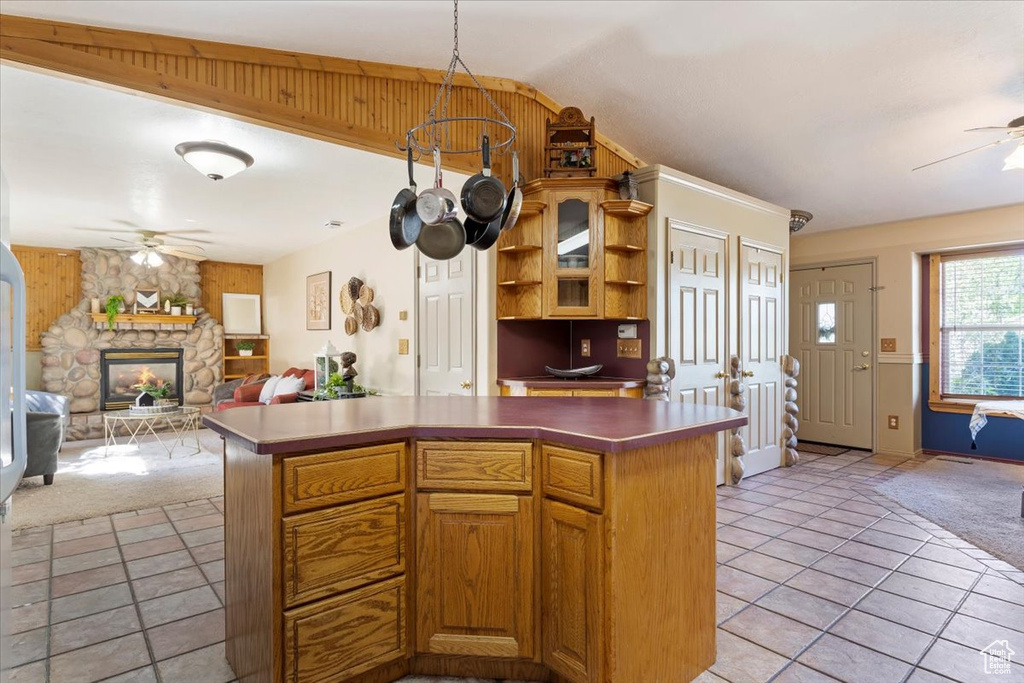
{"x":819,"y":579}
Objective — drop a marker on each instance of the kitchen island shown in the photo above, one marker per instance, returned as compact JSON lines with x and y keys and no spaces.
{"x":540,"y":539}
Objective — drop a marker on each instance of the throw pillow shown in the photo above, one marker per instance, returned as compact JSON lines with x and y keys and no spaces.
{"x":289,"y":385}
{"x":267,"y":392}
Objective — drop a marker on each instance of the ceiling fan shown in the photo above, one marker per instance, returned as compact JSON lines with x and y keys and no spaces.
{"x":149,"y":244}
{"x":1014,"y":133}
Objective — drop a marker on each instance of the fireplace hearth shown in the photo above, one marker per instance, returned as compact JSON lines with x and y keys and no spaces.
{"x":121,"y":370}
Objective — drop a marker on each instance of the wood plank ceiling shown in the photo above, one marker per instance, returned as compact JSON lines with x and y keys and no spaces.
{"x":367,"y":105}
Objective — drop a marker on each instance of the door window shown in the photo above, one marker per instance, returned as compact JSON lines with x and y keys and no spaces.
{"x":826,"y":322}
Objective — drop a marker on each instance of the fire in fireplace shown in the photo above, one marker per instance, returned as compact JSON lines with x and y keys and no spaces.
{"x":123,"y":370}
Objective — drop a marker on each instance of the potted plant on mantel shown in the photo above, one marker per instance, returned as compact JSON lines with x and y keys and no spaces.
{"x":245,"y":348}
{"x":175,"y":304}
{"x":114,"y":305}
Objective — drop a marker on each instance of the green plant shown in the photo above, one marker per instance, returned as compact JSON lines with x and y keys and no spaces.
{"x":177,"y":300}
{"x":245,"y":345}
{"x":332,"y":388}
{"x":113,"y":307}
{"x":156,"y":390}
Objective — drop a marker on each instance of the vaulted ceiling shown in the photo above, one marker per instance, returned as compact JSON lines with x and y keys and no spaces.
{"x":821,"y":106}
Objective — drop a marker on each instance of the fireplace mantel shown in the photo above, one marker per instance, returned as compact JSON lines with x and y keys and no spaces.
{"x":145,"y":321}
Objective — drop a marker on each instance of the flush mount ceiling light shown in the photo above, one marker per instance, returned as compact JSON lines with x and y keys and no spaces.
{"x":798,"y":219}
{"x":214,"y":159}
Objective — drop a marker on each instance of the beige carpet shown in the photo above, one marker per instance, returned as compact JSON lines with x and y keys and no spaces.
{"x":91,"y":484}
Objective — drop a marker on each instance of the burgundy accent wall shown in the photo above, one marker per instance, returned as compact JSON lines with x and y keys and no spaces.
{"x":526,"y":346}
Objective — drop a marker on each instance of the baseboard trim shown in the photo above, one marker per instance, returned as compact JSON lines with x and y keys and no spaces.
{"x":985,"y":458}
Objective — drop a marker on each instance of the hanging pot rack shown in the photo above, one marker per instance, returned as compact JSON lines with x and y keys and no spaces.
{"x":436,"y":131}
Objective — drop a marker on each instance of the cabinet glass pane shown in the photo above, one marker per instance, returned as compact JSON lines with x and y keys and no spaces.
{"x":827,"y":323}
{"x":573,"y":234}
{"x":574,"y":291}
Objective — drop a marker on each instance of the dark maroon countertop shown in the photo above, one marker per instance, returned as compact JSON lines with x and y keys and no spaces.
{"x":605,"y":424}
{"x":549,"y":382}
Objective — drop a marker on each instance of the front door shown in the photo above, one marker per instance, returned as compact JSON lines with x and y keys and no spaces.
{"x":761,"y":330}
{"x":831,"y":334}
{"x":697,"y":319}
{"x":446,"y":346}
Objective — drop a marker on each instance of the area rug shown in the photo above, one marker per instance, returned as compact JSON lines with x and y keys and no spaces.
{"x":820,"y":448}
{"x":90,"y":484}
{"x":976,"y":500}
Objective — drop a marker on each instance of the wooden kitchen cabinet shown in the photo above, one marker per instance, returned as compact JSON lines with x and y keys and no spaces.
{"x":474,"y":575}
{"x":577,"y":252}
{"x":571,"y":592}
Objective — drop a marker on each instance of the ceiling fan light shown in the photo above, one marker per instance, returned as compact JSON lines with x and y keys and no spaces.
{"x":215,"y":160}
{"x":154,"y":260}
{"x":1015,"y":161}
{"x":139,"y":257}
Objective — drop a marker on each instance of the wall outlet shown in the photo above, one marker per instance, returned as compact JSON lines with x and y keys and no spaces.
{"x":403,"y":347}
{"x":585,"y":348}
{"x":894,"y":422}
{"x":889,"y":344}
{"x":628,"y":348}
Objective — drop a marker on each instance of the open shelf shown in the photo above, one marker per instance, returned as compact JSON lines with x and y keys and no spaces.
{"x":518,"y":248}
{"x":624,"y":247}
{"x":629,"y":283}
{"x":627,"y":208}
{"x":518,"y":283}
{"x":254,"y":357}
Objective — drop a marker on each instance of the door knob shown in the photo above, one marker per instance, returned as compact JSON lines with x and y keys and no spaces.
{"x":748,"y":373}
{"x":466,"y":385}
{"x":862,"y":366}
{"x":721,"y":375}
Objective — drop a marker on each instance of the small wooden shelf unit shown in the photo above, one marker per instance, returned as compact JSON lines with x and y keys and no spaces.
{"x":236,"y":366}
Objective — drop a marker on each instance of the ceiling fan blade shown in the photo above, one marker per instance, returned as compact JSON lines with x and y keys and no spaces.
{"x":170,"y":251}
{"x":974,"y":130}
{"x":186,"y":232}
{"x":184,"y":247}
{"x":179,"y":236}
{"x":116,"y":230}
{"x":960,"y":154}
{"x":132,"y":242}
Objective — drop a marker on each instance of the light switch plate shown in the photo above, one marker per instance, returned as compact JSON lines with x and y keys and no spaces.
{"x":403,"y":347}
{"x":627,"y":331}
{"x":585,"y":348}
{"x":628,"y":348}
{"x":889,"y":344}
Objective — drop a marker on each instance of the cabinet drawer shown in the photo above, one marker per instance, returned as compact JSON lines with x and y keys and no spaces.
{"x":312,"y":481}
{"x":340,"y":637}
{"x":475,"y":466}
{"x":340,"y":548}
{"x":573,"y":476}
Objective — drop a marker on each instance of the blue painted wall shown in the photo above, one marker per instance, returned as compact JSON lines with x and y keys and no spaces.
{"x":1002,"y":437}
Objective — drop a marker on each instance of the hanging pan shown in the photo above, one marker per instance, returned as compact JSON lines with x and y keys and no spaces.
{"x":446,"y":239}
{"x":483,"y":195}
{"x":514,"y":203}
{"x":436,"y":204}
{"x":405,"y":224}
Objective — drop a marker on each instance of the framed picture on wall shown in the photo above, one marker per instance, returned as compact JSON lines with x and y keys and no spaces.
{"x":318,"y":301}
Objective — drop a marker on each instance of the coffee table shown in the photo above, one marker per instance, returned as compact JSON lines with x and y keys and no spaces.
{"x":138,"y":426}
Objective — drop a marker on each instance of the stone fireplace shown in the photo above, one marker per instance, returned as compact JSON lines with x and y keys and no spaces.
{"x":74,"y":343}
{"x":122,"y":370}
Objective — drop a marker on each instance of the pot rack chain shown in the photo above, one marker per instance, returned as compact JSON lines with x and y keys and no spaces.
{"x":438,"y":129}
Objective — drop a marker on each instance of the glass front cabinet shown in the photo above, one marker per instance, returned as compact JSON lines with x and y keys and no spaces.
{"x":577,"y":252}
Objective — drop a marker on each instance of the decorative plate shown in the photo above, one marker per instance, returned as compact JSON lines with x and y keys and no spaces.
{"x":577,"y":372}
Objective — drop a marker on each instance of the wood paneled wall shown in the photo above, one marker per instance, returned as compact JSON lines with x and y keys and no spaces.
{"x":361,"y":104}
{"x":53,"y":283}
{"x":218,"y":277}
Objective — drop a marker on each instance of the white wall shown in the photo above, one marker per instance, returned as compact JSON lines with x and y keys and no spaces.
{"x":897,"y":247}
{"x":366,"y":252}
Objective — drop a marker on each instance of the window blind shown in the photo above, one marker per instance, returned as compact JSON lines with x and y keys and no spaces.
{"x":982,"y":324}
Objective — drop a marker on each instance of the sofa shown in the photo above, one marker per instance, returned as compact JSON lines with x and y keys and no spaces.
{"x":247,"y":392}
{"x":46,"y":419}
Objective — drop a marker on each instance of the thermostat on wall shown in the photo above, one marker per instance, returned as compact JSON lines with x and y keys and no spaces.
{"x":627,"y":331}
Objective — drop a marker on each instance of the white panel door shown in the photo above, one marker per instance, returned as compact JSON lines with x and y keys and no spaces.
{"x":761,"y":316}
{"x":831,"y":334}
{"x":446,"y":345}
{"x":697,"y":320}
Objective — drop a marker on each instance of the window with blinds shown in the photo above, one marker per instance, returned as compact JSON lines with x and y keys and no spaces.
{"x":981,"y":324}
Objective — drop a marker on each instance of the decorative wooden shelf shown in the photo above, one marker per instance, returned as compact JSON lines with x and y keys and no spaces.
{"x":513,"y":248}
{"x":246,"y":357}
{"x":518,"y":283}
{"x":146,"y":318}
{"x":235,"y":376}
{"x":624,"y":247}
{"x":630,"y":208}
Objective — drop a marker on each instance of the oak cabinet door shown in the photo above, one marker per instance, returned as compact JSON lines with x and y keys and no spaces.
{"x":571,"y":592}
{"x":474,"y":588}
